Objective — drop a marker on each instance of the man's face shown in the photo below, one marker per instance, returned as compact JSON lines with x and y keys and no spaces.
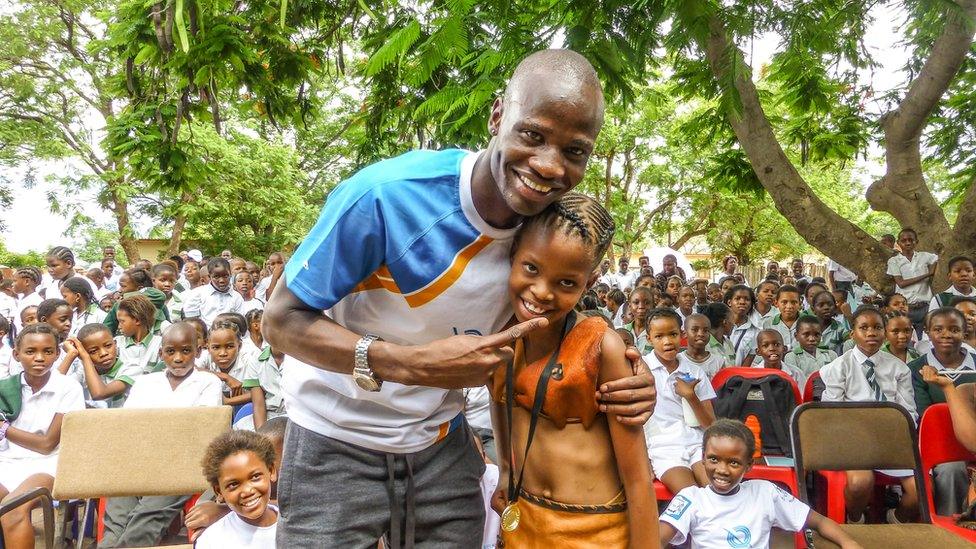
{"x":544,"y":139}
{"x":669,"y":265}
{"x":797,"y":268}
{"x":108,"y":252}
{"x":622,"y":265}
{"x":604,"y":266}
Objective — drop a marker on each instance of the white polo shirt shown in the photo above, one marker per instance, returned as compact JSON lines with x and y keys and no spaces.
{"x":207,"y":302}
{"x":668,"y":411}
{"x":710,"y":365}
{"x":952,"y":290}
{"x":93,"y":315}
{"x":742,"y":520}
{"x":154,"y":391}
{"x":846,"y":379}
{"x":264,"y":372}
{"x":232,"y":531}
{"x":32,"y":299}
{"x":841,"y":273}
{"x":142,"y":354}
{"x":899,"y":265}
{"x":59,"y":395}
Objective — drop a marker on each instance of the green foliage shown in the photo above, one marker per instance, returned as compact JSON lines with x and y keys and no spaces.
{"x":14,"y":259}
{"x":94,"y":239}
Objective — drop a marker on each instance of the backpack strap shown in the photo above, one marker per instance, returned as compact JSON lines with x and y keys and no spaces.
{"x":734,"y":404}
{"x":779,"y":426}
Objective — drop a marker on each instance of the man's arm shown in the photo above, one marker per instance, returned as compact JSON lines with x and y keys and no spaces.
{"x":305,"y":333}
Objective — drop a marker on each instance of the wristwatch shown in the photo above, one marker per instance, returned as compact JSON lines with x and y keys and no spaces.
{"x":362,"y":374}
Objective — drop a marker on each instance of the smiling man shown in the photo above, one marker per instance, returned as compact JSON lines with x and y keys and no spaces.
{"x":409,"y":262}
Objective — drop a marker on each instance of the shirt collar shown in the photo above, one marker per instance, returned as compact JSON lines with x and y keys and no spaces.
{"x":968,"y":363}
{"x":130,"y":341}
{"x":653,"y":363}
{"x":860,"y":357}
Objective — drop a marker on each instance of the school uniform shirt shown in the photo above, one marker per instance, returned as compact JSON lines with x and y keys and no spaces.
{"x":59,"y":395}
{"x":710,"y":365}
{"x":120,"y":371}
{"x":899,"y":265}
{"x":911,"y":354}
{"x":743,"y":339}
{"x":742,"y":520}
{"x":237,"y":371}
{"x":607,"y":279}
{"x":207,"y":302}
{"x":32,"y":299}
{"x":400,"y":252}
{"x":640,"y":340}
{"x":232,"y":531}
{"x":260,"y":292}
{"x":175,"y":305}
{"x":7,"y":361}
{"x":809,"y":363}
{"x":833,"y":336}
{"x":788,"y":333}
{"x":142,"y":354}
{"x":758,"y":319}
{"x":841,"y":273}
{"x":112,"y":282}
{"x":724,"y":349}
{"x":668,"y":411}
{"x":626,"y":280}
{"x":154,"y":391}
{"x":251,"y":305}
{"x":91,"y":315}
{"x":927,"y":394}
{"x":846,"y":380}
{"x":944,"y":299}
{"x":794,"y":372}
{"x":8,"y":306}
{"x":263,"y":371}
{"x":618,"y":317}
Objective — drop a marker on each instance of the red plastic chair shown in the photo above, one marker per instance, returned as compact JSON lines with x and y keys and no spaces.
{"x":938,"y":444}
{"x":723,"y":375}
{"x":808,"y":387}
{"x":661,"y":491}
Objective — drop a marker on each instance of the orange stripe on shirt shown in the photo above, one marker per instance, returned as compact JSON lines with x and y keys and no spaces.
{"x":450,"y":276}
{"x":381,"y":278}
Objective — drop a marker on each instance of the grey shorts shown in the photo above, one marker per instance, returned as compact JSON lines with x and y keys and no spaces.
{"x":335,"y":494}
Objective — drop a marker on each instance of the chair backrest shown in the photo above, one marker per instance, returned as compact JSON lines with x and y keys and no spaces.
{"x":845,"y":436}
{"x":938,"y":444}
{"x":809,"y":388}
{"x":136,"y":452}
{"x":725,"y":374}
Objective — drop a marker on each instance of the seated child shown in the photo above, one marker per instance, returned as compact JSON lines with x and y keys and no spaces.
{"x":784,"y":322}
{"x":720,"y":322}
{"x":898,"y":337}
{"x":770,"y":352}
{"x":967,"y":306}
{"x":641,"y":302}
{"x":225,"y":346}
{"x":104,"y":376}
{"x":262,"y":378}
{"x":601,"y":497}
{"x":30,"y":435}
{"x":699,"y":331}
{"x":808,"y":356}
{"x":164,"y":277}
{"x":240,"y":466}
{"x":684,"y":407}
{"x":137,"y":344}
{"x":203,"y":355}
{"x":833,"y":334}
{"x":741,"y":301}
{"x":960,"y":283}
{"x":244,"y":284}
{"x":141,"y":521}
{"x":729,"y":509}
{"x":868,"y":374}
{"x":248,"y":347}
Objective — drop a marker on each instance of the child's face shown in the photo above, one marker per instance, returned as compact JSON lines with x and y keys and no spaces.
{"x":36,"y":353}
{"x":220,"y":278}
{"x":808,"y":336}
{"x":243,"y":283}
{"x":968,"y":310}
{"x":868,"y":333}
{"x":60,"y":320}
{"x":898,"y":332}
{"x":59,"y":269}
{"x":100,"y":346}
{"x":665,"y":336}
{"x":254,"y":327}
{"x":22,"y":284}
{"x":740,"y":303}
{"x":254,"y":271}
{"x":686,"y":298}
{"x":201,"y":338}
{"x":946,"y":333}
{"x":767,"y":293}
{"x":245,"y":485}
{"x":898,"y":303}
{"x":223,"y":347}
{"x":73,"y":298}
{"x":164,"y":282}
{"x":626,"y":336}
{"x":673,"y":287}
{"x":961,"y":275}
{"x":788,"y":304}
{"x":107,"y":268}
{"x":192,"y":272}
{"x":105,"y":304}
{"x":726,"y":462}
{"x":237,"y":266}
{"x":640,"y":305}
{"x":726,"y":286}
{"x":178,"y":351}
{"x":699,"y":332}
{"x":714,"y":293}
{"x":797,"y":267}
{"x":907,"y":242}
{"x":126,"y":284}
{"x":549,"y":274}
{"x":770,"y":348}
{"x":128,"y":324}
{"x":812,"y":293}
{"x":665,"y":302}
{"x":28,"y":315}
{"x":601,"y":294}
{"x":824,"y":307}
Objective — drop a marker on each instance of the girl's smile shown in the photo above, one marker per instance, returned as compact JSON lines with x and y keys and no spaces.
{"x":549,"y":274}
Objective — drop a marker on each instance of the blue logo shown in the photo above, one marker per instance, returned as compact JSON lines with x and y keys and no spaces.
{"x":739,"y":537}
{"x":677,"y":507}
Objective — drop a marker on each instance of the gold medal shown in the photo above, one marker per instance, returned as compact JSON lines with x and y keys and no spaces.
{"x":510,"y":517}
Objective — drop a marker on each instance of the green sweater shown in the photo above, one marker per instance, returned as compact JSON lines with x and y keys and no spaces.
{"x":927,"y":394}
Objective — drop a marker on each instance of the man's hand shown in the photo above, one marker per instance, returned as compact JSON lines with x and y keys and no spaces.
{"x":499,"y":500}
{"x":453,"y":363}
{"x":631,"y":399}
{"x":203,"y":515}
{"x":931,"y":376}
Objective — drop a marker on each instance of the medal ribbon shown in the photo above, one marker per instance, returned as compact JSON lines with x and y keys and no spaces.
{"x":540,"y":396}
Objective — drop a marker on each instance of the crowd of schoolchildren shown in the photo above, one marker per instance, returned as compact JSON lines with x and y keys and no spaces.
{"x":187,"y":332}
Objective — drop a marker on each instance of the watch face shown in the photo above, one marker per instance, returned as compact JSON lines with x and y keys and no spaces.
{"x":366,"y":383}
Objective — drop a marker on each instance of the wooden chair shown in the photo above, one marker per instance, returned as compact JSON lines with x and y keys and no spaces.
{"x":135,"y":452}
{"x":937,"y":444}
{"x":844,"y":436}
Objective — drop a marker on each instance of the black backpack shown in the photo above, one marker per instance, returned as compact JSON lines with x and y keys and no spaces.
{"x":770,"y":398}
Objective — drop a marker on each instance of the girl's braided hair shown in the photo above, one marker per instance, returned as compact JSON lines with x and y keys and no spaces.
{"x":32,"y":273}
{"x":578,"y":214}
{"x":62,"y":253}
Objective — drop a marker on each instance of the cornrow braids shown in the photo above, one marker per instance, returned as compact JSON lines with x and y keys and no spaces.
{"x":32,"y":273}
{"x":62,"y":253}
{"x":579,"y":214}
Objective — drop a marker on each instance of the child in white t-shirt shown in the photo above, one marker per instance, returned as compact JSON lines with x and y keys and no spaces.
{"x":240,"y":466}
{"x":698,"y":330}
{"x":731,"y":513}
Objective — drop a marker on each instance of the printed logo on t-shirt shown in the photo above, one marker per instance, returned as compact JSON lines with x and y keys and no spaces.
{"x":739,"y":537}
{"x":677,"y":507}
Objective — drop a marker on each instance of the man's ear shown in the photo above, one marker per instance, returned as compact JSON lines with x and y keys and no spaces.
{"x":495,"y":118}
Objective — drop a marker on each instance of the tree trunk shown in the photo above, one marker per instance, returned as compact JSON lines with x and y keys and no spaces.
{"x":120,"y":207}
{"x":179,"y":223}
{"x":832,"y":234}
